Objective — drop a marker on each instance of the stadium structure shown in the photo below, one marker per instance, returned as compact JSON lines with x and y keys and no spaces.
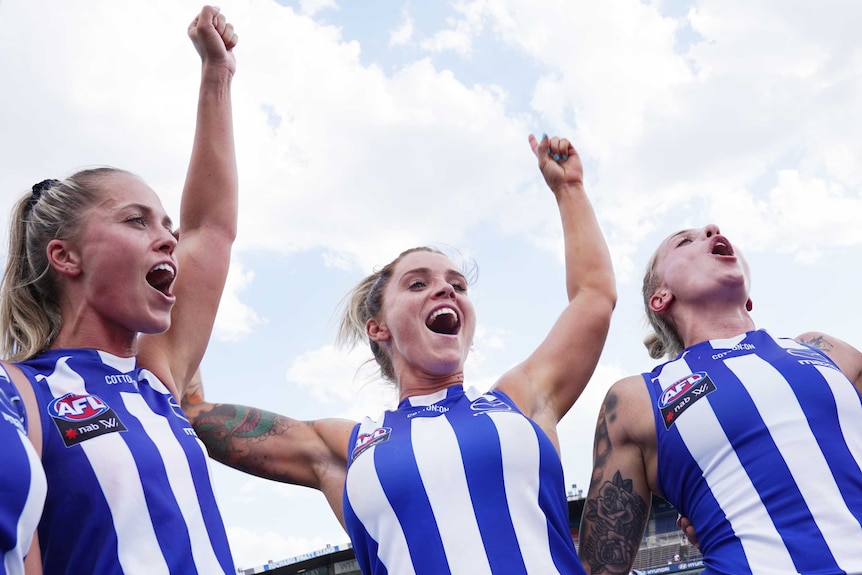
{"x":664,"y":548}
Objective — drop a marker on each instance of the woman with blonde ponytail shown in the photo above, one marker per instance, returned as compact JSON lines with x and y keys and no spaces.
{"x":455,"y":479}
{"x":99,"y":332}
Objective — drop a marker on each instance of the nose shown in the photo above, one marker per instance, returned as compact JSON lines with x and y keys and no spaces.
{"x":444,"y":290}
{"x":710,"y":230}
{"x":168,"y":242}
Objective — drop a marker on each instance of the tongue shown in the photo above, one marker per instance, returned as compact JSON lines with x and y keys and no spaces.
{"x":160,"y":279}
{"x":444,"y":323}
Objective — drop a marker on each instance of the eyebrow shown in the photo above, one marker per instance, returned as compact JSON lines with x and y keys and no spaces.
{"x":426,"y":271}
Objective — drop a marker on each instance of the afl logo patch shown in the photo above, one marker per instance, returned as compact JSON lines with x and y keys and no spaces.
{"x":679,"y":388}
{"x":682,"y":394}
{"x":82,"y":417}
{"x":366,"y":441}
{"x":73,"y":407}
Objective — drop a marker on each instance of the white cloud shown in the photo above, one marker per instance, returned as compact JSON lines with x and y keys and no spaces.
{"x":235,"y":320}
{"x":402,"y":34}
{"x":343,"y":378}
{"x":311,"y":8}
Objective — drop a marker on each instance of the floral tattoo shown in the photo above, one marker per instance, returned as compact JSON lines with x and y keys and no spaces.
{"x":617,"y":516}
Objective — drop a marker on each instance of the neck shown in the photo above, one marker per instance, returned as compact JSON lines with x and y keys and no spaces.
{"x":121,"y":343}
{"x":83,"y":328}
{"x":704,"y":323}
{"x":409,"y":386}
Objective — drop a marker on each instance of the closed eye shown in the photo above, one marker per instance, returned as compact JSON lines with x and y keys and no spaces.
{"x":416,"y":285}
{"x":139,"y":220}
{"x":683,"y":242}
{"x":459,"y":287}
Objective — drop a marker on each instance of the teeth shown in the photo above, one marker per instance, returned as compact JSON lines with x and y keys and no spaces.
{"x":164,"y":267}
{"x":439,"y":312}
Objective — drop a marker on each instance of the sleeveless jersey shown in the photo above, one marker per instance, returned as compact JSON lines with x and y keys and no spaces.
{"x":22,"y":481}
{"x":760,"y":445}
{"x":129,"y":489}
{"x":459,"y":483}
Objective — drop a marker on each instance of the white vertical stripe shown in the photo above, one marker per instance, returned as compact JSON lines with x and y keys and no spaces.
{"x":370,"y":505}
{"x":442,"y":470}
{"x":117,"y":474}
{"x":802,"y":455}
{"x":728,"y":481}
{"x":180,"y":479}
{"x":520,"y":448}
{"x":849,"y":409}
{"x":32,"y":510}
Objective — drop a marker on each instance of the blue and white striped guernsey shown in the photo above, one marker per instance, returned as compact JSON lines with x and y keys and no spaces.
{"x":458,"y":483}
{"x":22,"y":481}
{"x":760,"y":444}
{"x":129,"y":489}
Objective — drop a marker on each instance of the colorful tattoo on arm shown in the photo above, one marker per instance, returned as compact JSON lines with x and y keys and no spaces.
{"x":229,"y":431}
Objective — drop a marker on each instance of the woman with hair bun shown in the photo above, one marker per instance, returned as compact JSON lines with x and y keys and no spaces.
{"x":756,"y":440}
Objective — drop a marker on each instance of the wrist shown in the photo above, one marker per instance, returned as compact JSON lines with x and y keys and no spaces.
{"x":568,"y":189}
{"x":217,"y":71}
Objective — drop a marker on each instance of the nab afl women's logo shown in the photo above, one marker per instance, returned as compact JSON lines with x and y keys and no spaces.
{"x":74,"y":407}
{"x":679,"y":388}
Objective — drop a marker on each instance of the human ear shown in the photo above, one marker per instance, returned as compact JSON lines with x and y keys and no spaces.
{"x":63,"y":257}
{"x":376,"y":331}
{"x":660,"y":300}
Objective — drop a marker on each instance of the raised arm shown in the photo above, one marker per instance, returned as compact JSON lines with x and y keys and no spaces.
{"x":846,"y":357}
{"x":546,"y":385}
{"x":618,"y":502}
{"x":208,"y":210}
{"x":308,"y":453}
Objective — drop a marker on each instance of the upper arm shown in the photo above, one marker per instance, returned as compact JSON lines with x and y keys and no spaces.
{"x":272,"y":446}
{"x":549,"y":381}
{"x":618,"y":502}
{"x":846,"y":357}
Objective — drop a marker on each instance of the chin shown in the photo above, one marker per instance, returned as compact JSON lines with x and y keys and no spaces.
{"x":155,"y":327}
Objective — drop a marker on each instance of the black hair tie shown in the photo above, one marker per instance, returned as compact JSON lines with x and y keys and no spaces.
{"x":37,"y":190}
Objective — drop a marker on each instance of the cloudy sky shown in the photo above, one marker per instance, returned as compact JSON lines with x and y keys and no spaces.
{"x":370,"y":126}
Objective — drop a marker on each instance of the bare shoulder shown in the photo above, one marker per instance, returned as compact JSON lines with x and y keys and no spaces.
{"x":625,"y":416}
{"x":818,"y":340}
{"x":846,"y":357}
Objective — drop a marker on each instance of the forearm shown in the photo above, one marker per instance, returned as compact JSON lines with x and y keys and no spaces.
{"x":210,"y":195}
{"x":611,"y":527}
{"x":587,"y":258}
{"x":618,"y":502}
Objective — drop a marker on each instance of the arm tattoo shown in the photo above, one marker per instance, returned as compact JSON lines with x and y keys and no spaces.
{"x":229,"y":430}
{"x":602,"y":447}
{"x":818,"y":342}
{"x":614,"y":516}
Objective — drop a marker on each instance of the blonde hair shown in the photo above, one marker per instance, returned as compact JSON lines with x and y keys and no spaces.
{"x":364,"y":302}
{"x":665,"y":340}
{"x":29,"y":299}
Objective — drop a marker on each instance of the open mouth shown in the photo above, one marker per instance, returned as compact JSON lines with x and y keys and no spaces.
{"x":161,"y":277}
{"x":722,"y":247}
{"x":444,"y":320}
